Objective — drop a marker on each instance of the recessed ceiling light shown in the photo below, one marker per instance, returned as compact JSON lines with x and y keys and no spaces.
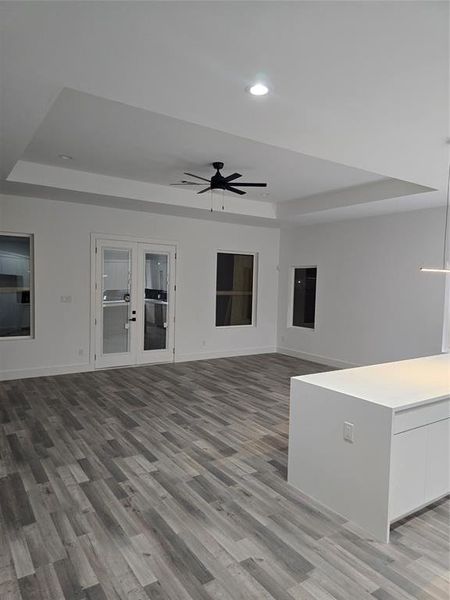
{"x":258,"y":89}
{"x":65,"y":157}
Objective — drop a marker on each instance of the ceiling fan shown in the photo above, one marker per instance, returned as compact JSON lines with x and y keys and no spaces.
{"x":219,"y":182}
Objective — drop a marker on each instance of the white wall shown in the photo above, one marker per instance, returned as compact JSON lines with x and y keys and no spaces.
{"x":62,"y":268}
{"x":372,"y":302}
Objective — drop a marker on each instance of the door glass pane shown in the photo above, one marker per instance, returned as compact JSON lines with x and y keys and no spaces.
{"x":15,"y":285}
{"x":116,"y":299}
{"x":155,"y":301}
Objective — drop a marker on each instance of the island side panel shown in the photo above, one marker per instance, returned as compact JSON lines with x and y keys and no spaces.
{"x":352,"y":479}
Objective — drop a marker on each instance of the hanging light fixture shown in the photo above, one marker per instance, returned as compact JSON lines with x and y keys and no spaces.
{"x":444,"y":268}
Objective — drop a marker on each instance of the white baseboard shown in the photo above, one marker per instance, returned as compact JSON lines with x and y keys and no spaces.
{"x":44,"y":371}
{"x":224,"y":353}
{"x":82,"y":368}
{"x":86,"y":367}
{"x":317,"y":358}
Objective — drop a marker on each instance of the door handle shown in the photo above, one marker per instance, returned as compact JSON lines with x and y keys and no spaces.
{"x":132,"y":319}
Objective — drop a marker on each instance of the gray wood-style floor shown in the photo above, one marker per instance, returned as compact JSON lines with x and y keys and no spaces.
{"x":170,"y":482}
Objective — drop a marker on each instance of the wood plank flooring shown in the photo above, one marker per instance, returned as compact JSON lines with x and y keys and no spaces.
{"x":169,"y":482}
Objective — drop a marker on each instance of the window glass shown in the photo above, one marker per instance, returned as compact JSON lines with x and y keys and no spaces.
{"x":234,"y":289}
{"x":304,"y":301}
{"x":155,"y":301}
{"x":15,"y":286}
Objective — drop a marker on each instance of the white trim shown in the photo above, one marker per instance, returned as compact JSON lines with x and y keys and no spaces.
{"x":132,"y":238}
{"x":317,"y":358}
{"x":15,"y":233}
{"x":234,"y":326}
{"x":224,"y":353}
{"x":254,"y":287}
{"x":86,"y":367}
{"x":44,"y":371}
{"x":93,"y":304}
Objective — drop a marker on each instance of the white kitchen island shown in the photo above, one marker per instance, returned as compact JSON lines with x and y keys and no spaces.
{"x":372,"y":443}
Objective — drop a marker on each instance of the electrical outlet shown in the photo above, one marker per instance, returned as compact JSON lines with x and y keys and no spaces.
{"x":348,"y":432}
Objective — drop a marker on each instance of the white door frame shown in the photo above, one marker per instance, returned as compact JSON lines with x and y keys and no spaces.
{"x":172,"y":249}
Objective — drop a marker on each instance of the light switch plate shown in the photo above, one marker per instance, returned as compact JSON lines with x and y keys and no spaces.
{"x":348,"y":432}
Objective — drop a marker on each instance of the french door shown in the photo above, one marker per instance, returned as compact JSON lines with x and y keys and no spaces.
{"x":134,"y":303}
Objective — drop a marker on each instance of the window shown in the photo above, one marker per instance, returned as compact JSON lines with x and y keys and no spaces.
{"x":234,"y":289}
{"x":16,"y":285}
{"x":304,"y":300}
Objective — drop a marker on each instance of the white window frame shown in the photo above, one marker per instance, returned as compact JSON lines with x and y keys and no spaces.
{"x":290,"y":316}
{"x":254,"y":288}
{"x":31,"y":336}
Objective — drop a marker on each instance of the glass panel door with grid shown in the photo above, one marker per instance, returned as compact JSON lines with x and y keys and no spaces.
{"x":116,"y":303}
{"x":134,"y":316}
{"x":156,"y":293}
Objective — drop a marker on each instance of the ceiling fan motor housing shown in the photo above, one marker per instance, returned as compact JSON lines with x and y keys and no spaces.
{"x":218,"y":180}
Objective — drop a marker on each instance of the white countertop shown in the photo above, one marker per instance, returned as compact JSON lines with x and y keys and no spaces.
{"x":397,"y":385}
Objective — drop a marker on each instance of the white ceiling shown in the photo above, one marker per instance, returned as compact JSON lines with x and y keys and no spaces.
{"x":361,"y":84}
{"x":111,"y":138}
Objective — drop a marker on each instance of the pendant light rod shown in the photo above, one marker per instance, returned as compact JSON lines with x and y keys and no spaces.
{"x":444,"y":269}
{"x":445,"y":252}
{"x":431,"y":270}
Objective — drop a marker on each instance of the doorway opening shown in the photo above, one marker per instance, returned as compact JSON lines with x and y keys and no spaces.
{"x":134,"y":305}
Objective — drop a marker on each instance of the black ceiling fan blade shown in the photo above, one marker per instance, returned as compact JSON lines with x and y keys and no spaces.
{"x":205,"y":190}
{"x":187,"y":183}
{"x":197,"y":176}
{"x":235,"y":190}
{"x":233,"y":176}
{"x":238,"y":183}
